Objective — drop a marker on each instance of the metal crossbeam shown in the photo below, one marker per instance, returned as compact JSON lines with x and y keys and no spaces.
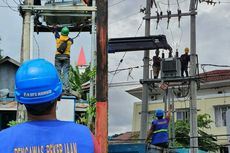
{"x":172,"y":15}
{"x":67,"y":14}
{"x":55,"y":9}
{"x":180,"y":79}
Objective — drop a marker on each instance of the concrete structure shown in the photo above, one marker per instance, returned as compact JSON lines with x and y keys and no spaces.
{"x":213,"y":98}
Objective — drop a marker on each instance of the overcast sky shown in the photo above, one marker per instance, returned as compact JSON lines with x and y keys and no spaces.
{"x":213,"y":28}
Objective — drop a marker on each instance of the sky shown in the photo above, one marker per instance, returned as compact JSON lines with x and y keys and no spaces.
{"x":125,"y":20}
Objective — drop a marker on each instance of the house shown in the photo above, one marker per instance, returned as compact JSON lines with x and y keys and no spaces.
{"x":213,"y":98}
{"x":8,"y":68}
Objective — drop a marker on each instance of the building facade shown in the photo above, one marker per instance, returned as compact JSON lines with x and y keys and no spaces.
{"x":213,"y":98}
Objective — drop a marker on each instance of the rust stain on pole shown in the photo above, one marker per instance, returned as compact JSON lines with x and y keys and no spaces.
{"x":102,"y":75}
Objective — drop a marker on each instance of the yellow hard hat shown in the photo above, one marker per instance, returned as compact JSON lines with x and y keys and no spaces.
{"x":186,"y":50}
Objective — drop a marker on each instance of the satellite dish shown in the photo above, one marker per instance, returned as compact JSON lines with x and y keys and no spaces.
{"x":4,"y":93}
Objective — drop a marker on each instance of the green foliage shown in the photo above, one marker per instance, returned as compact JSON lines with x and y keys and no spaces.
{"x":204,"y":120}
{"x":89,"y":117}
{"x":13,"y":123}
{"x":77,"y":79}
{"x":82,"y":119}
{"x":206,"y":141}
{"x":91,"y":110}
{"x":92,"y":73}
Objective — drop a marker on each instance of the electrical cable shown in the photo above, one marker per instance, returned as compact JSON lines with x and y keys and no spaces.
{"x":172,"y":3}
{"x":37,"y":45}
{"x":178,"y":4}
{"x":10,"y":7}
{"x":16,"y":2}
{"x":117,"y":3}
{"x":121,"y":60}
{"x":118,"y":70}
{"x":130,"y":15}
{"x":139,"y":27}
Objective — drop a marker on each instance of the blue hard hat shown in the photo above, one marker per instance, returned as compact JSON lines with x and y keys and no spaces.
{"x":159,"y":113}
{"x":37,"y":81}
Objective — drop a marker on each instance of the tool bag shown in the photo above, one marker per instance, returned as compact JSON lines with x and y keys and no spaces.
{"x":61,"y":49}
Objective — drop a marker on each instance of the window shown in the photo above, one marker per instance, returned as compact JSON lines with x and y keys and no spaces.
{"x":220,"y":115}
{"x":182,"y":114}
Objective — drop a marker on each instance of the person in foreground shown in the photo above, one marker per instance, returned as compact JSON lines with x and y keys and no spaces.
{"x":38,"y":87}
{"x":159,"y":129}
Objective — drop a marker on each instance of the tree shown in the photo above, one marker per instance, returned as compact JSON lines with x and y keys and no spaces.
{"x":206,"y":141}
{"x":76,"y":81}
{"x":77,"y":78}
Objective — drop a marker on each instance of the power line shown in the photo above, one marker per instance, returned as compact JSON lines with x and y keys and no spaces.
{"x":128,"y":16}
{"x":139,"y":27}
{"x":117,"y":3}
{"x":16,"y":2}
{"x":121,"y":60}
{"x":37,"y":45}
{"x":124,"y":69}
{"x":172,"y":3}
{"x":10,"y":7}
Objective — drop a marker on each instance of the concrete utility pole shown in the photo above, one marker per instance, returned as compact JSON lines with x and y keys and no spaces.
{"x":193,"y":86}
{"x":93,"y":50}
{"x":144,"y":110}
{"x":25,"y":53}
{"x":93,"y":57}
{"x":25,"y":48}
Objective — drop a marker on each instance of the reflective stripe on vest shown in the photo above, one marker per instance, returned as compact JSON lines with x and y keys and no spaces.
{"x":161,"y":130}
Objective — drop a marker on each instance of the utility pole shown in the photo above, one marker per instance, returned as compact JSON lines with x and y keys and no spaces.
{"x":193,"y":86}
{"x":25,"y":53}
{"x":102,"y":75}
{"x":144,"y":109}
{"x":93,"y":56}
{"x":93,"y":50}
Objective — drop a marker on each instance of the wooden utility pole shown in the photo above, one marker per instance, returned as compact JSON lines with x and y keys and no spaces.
{"x":102,"y":75}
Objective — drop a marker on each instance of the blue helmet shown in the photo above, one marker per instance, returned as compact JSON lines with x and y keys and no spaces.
{"x":159,"y":113}
{"x":37,"y":82}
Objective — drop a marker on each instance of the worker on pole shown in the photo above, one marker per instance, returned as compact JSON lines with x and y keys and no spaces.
{"x":38,"y":87}
{"x":185,"y":58}
{"x":62,"y":56}
{"x":156,"y":64}
{"x":159,"y":129}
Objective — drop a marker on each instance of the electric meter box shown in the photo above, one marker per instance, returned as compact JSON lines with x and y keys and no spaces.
{"x":170,"y":68}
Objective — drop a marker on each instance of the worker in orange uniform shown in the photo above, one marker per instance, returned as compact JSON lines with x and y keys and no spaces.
{"x":38,"y":87}
{"x":185,"y":58}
